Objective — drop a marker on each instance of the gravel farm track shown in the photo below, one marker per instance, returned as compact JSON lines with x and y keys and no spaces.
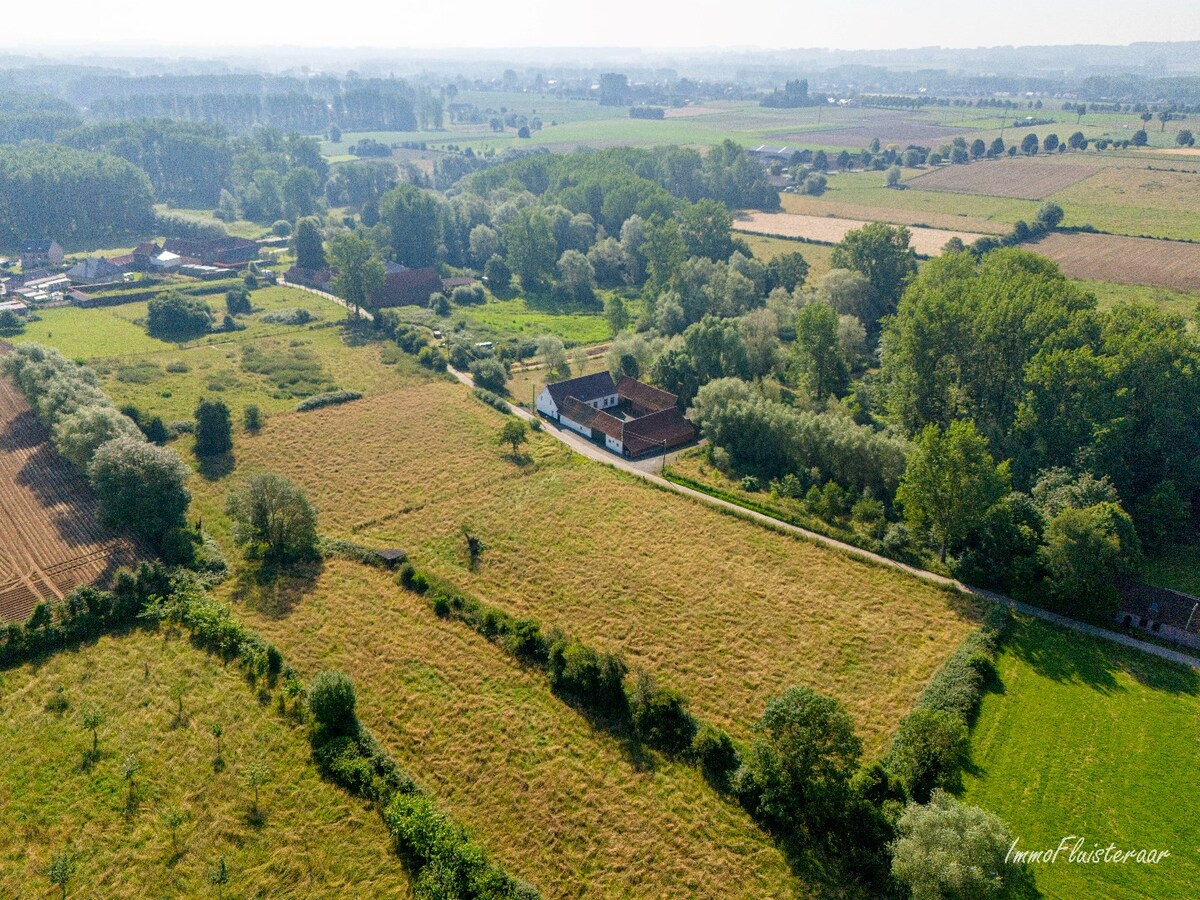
{"x":50,"y":539}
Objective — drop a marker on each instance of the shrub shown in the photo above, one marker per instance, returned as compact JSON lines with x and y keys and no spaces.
{"x":330,"y":398}
{"x":495,"y":401}
{"x":489,"y":374}
{"x":660,"y":717}
{"x":432,"y":358}
{"x":332,"y":699}
{"x":281,"y":228}
{"x":595,"y":680}
{"x":441,"y":606}
{"x":468,"y":295}
{"x":339,"y":758}
{"x":237,"y":301}
{"x":287,"y":316}
{"x":252,"y":418}
{"x":214,"y":428}
{"x":140,"y":486}
{"x":176,"y":317}
{"x":716,"y":754}
{"x":272,"y":517}
{"x":929,"y":750}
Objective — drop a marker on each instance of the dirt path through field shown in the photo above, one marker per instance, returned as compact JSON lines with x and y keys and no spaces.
{"x":830,"y":230}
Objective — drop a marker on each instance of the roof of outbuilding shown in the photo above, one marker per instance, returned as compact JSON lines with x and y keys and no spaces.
{"x":585,"y":388}
{"x":665,"y":428}
{"x":645,"y":395}
{"x":1161,"y":605}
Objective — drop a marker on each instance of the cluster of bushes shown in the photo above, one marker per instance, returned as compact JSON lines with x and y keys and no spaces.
{"x":140,"y":486}
{"x":287,"y":316}
{"x":84,"y":614}
{"x":412,"y":340}
{"x":329,"y":398}
{"x":931,"y":745}
{"x":767,"y":437}
{"x":1049,"y":217}
{"x":495,"y":401}
{"x":175,"y":316}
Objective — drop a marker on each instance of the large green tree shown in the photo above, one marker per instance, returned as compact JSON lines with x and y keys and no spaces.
{"x":882,"y":253}
{"x":308,"y":244}
{"x":817,"y":351}
{"x":949,"y":484}
{"x":360,"y":272}
{"x":414,"y":219}
{"x":796,"y":772}
{"x":273,"y":518}
{"x":532,"y":249}
{"x":140,"y":486}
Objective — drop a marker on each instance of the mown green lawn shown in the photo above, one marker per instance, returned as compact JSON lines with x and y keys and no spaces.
{"x":1090,"y":739}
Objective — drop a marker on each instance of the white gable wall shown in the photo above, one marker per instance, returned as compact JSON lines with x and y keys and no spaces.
{"x":545,"y":404}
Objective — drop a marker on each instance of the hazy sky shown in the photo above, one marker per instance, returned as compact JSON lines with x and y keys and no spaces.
{"x":844,"y":24}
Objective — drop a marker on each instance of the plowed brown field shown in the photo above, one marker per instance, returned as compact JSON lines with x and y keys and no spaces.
{"x":50,"y":540}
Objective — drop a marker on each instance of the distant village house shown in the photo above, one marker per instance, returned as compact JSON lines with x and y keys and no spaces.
{"x":40,"y":255}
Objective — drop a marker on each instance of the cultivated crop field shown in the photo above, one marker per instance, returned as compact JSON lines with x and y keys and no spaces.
{"x":50,"y":541}
{"x":728,"y":612}
{"x":1086,"y":738}
{"x":557,"y":802}
{"x":313,"y":841}
{"x":1024,"y":179}
{"x":828,"y":230}
{"x":1124,"y":260}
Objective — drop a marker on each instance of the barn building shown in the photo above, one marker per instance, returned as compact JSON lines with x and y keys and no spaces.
{"x":627,"y":417}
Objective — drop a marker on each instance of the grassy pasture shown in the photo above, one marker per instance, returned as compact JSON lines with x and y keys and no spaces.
{"x":168,"y":379}
{"x":315,"y":841}
{"x":1136,"y":201}
{"x":555,"y":801}
{"x":576,"y":544}
{"x":816,"y":255}
{"x":1181,"y":303}
{"x":1091,"y":739}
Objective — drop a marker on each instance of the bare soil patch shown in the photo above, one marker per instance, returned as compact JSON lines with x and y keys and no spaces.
{"x":1124,"y":260}
{"x":1023,"y":178}
{"x":889,"y":131}
{"x":50,"y":540}
{"x":829,"y":230}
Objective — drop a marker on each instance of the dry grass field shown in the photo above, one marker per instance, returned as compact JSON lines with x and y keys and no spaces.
{"x":926,"y":241}
{"x":803,"y":204}
{"x":50,"y":541}
{"x":728,"y":612}
{"x":1021,"y":178}
{"x":314,"y":840}
{"x":1124,"y":260}
{"x":816,"y":255}
{"x":555,"y":801}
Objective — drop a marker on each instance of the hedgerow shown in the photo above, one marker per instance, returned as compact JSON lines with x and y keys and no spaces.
{"x":329,"y":398}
